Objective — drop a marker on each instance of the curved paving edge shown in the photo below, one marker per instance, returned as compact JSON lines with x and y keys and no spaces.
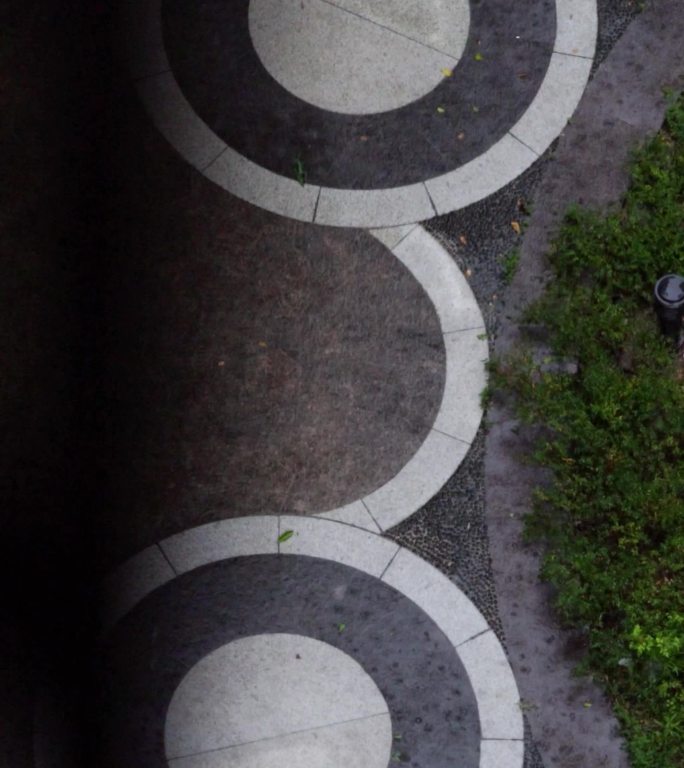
{"x":622,"y":106}
{"x":141,"y":38}
{"x":474,"y":642}
{"x":460,"y":411}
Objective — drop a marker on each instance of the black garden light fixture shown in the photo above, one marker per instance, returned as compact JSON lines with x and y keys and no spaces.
{"x":669,"y":305}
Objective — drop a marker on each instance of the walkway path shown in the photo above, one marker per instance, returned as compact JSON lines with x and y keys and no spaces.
{"x":285,"y":393}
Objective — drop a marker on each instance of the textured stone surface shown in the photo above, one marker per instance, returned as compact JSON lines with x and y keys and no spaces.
{"x":352,"y":54}
{"x":270,"y":686}
{"x":483,"y":98}
{"x":290,"y":368}
{"x":410,"y":660}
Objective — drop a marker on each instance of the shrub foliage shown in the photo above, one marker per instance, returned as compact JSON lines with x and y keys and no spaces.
{"x":613,"y":516}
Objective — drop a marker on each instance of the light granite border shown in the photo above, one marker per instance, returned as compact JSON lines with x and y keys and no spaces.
{"x":142,"y":46}
{"x":464,"y":626}
{"x":460,"y":410}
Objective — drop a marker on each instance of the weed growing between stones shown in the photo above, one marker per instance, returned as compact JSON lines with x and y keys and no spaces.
{"x":510,"y":265}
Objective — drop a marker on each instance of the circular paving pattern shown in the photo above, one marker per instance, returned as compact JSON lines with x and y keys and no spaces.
{"x":460,"y":411}
{"x":401,"y":146}
{"x":275,"y":640}
{"x":297,"y":370}
{"x":360,"y":149}
{"x":239,"y":622}
{"x":307,"y":370}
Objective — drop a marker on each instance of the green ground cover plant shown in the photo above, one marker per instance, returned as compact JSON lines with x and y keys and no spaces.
{"x":510,"y":265}
{"x":612,"y":517}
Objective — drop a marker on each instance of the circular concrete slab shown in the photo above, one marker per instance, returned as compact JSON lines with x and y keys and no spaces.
{"x":329,"y":55}
{"x":186,"y":602}
{"x":302,"y":370}
{"x":278,"y":697}
{"x":355,"y":162}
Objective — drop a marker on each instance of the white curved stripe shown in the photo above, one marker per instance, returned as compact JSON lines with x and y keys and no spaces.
{"x":501,"y":753}
{"x":539,"y":126}
{"x":499,"y":165}
{"x":263,"y":188}
{"x":374,"y":207}
{"x":556,"y":100}
{"x":131,"y":582}
{"x":576,"y":27}
{"x":460,"y":410}
{"x":418,"y":480}
{"x":464,"y":626}
{"x":175,"y":119}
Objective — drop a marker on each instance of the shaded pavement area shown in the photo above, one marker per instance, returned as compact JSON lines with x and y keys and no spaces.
{"x":210,"y":398}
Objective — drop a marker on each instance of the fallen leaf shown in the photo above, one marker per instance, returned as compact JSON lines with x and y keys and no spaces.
{"x":263,"y":344}
{"x":478,"y":56}
{"x":284,"y":536}
{"x":447,"y":72}
{"x":587,"y":704}
{"x":475,"y":109}
{"x":441,"y":110}
{"x":516,"y":227}
{"x":460,"y":136}
{"x":363,"y":138}
{"x":463,"y":240}
{"x":468,"y":272}
{"x":221,"y":363}
{"x":341,"y":627}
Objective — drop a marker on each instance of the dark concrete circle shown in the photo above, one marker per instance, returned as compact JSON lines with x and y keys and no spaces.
{"x":433,"y":708}
{"x":212,"y":57}
{"x":285,"y":369}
